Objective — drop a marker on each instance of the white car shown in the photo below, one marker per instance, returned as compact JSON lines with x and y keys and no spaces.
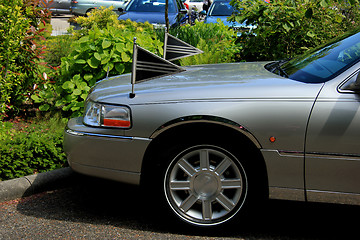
{"x":197,"y":5}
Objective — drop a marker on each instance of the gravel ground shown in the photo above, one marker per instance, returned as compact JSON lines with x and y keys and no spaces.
{"x":99,"y":209}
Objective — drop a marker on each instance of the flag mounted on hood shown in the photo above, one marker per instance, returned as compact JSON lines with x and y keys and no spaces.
{"x":174,"y":48}
{"x":147,"y":65}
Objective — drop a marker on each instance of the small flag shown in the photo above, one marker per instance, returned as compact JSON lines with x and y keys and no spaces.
{"x":174,"y":48}
{"x":147,"y":65}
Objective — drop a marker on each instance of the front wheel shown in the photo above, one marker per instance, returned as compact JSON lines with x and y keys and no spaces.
{"x":205,"y":185}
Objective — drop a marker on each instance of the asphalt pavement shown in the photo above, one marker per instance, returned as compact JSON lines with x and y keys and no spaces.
{"x":61,"y":204}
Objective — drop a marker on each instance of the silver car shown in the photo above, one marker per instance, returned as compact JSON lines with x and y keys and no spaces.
{"x":82,"y":7}
{"x":57,"y":6}
{"x":214,"y":140}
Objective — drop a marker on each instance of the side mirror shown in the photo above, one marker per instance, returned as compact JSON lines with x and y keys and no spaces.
{"x":353,"y":84}
{"x":121,"y":10}
{"x":203,"y":13}
{"x":356,"y":85}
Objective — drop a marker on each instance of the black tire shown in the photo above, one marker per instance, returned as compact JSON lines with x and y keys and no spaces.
{"x":204,"y":184}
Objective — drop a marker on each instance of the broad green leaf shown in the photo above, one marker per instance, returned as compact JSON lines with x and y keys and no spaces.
{"x":119,"y":47}
{"x":80,"y":61}
{"x":97,"y":56}
{"x":77,"y":92}
{"x":108,"y":67}
{"x":92,"y":47}
{"x":120,"y":68}
{"x":84,"y":96}
{"x":338,"y":18}
{"x":68,"y":98}
{"x":77,"y":77}
{"x":93,"y":62}
{"x":105,"y":60}
{"x":125,"y":57}
{"x":44,"y":107}
{"x":106,"y":43}
{"x":323,"y":3}
{"x":88,"y":76}
{"x":75,"y":108}
{"x":68,"y":85}
{"x":36,"y":98}
{"x":58,"y":103}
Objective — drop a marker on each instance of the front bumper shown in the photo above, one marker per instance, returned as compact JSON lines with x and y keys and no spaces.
{"x":103,"y":152}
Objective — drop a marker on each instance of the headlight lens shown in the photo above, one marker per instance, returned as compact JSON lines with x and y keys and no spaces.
{"x":105,"y":115}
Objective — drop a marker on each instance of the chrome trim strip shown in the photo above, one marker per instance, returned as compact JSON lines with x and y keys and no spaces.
{"x":333,"y":197}
{"x":77,"y":133}
{"x":340,"y":156}
{"x":290,"y":153}
{"x":206,"y":119}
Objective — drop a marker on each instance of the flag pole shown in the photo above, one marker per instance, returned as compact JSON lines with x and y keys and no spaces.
{"x":165,"y":42}
{"x":133,"y":71}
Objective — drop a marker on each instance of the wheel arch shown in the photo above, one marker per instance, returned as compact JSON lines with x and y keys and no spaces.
{"x":206,"y":120}
{"x":88,"y":11}
{"x":220,"y":128}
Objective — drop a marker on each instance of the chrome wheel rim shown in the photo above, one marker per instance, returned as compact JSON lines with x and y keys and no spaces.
{"x":205,"y":185}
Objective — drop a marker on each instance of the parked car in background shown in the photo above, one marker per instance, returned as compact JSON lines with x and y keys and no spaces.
{"x":194,"y":4}
{"x":153,"y":11}
{"x":212,"y":141}
{"x":221,"y":10}
{"x":82,"y":7}
{"x":57,"y":6}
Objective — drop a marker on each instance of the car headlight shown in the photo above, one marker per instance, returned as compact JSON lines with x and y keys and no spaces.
{"x":105,"y":115}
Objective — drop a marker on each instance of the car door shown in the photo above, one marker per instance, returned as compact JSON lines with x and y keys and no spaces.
{"x":332,"y":149}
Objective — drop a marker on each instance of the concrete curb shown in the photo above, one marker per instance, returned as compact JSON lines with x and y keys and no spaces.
{"x":28,"y":185}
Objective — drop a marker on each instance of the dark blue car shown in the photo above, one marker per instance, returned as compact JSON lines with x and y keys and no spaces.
{"x":153,"y":11}
{"x":220,"y":10}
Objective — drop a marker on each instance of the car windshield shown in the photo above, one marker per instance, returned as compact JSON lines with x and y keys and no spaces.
{"x":321,"y":64}
{"x":150,"y":6}
{"x":221,"y":9}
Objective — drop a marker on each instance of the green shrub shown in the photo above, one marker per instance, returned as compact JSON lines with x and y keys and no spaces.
{"x":286,"y":28}
{"x":20,"y":32}
{"x":57,"y":47}
{"x":28,"y":148}
{"x":216,"y":40}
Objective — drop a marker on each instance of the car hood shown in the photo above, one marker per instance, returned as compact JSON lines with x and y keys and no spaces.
{"x":151,"y":17}
{"x":205,"y":83}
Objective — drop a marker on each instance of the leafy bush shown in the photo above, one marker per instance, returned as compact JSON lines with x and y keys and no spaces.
{"x":93,"y":55}
{"x":216,"y":40}
{"x":19,"y":50}
{"x":28,"y":148}
{"x":57,"y":47}
{"x":286,"y":28}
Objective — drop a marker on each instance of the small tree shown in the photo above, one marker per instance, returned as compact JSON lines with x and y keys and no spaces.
{"x":20,"y":30}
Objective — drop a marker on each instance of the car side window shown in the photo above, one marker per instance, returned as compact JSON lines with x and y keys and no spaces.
{"x":349,"y":54}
